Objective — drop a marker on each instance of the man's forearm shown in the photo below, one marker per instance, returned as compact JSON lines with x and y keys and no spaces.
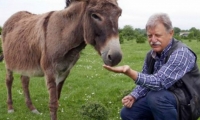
{"x":132,"y":74}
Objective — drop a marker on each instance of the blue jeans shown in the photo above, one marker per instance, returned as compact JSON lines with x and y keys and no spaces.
{"x":156,"y":105}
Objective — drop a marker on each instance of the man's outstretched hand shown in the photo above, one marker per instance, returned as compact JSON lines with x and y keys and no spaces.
{"x":125,"y":69}
{"x":118,"y":69}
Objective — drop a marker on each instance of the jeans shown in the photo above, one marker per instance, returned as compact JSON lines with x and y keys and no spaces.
{"x":156,"y":105}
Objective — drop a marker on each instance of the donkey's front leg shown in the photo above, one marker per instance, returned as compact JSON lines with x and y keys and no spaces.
{"x":60,"y":81}
{"x":53,"y":100}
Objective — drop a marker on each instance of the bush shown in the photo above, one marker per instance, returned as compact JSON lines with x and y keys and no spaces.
{"x":178,"y":37}
{"x":0,"y":30}
{"x":0,"y":47}
{"x":140,"y":39}
{"x":94,"y":111}
{"x":128,"y":32}
{"x":121,"y":39}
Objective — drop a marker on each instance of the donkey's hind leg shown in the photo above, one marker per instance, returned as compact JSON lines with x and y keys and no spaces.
{"x":9,"y":81}
{"x":25,"y":85}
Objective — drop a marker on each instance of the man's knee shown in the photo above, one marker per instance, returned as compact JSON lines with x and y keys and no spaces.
{"x":157,"y":99}
{"x":153,"y":97}
{"x":124,"y":113}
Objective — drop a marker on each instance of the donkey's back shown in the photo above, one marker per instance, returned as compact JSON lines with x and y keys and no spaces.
{"x":22,"y":43}
{"x":15,"y":18}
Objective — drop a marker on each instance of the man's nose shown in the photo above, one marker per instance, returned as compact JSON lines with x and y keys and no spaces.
{"x":153,"y":39}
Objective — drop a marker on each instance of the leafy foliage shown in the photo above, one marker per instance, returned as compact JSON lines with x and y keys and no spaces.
{"x":128,"y":32}
{"x":140,"y":39}
{"x":0,"y":41}
{"x":194,"y":33}
{"x":0,"y":47}
{"x":94,"y":111}
{"x":177,"y":31}
{"x":0,"y":30}
{"x":121,"y":38}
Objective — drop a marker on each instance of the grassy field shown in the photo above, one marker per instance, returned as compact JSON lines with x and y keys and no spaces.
{"x":88,"y":82}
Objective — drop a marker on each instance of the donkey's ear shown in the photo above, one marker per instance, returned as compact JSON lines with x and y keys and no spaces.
{"x":87,"y":28}
{"x":67,"y":3}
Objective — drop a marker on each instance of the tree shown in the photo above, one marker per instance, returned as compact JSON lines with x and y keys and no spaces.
{"x":177,"y":31}
{"x":0,"y":30}
{"x":194,"y":32}
{"x":0,"y":47}
{"x":0,"y":43}
{"x":140,"y":31}
{"x":198,"y":36}
{"x":178,"y":37}
{"x":121,"y":38}
{"x":128,"y":32}
{"x":193,"y":29}
{"x":140,"y":38}
{"x":191,"y":35}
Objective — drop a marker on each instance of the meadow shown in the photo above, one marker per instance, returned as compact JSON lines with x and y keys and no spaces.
{"x":88,"y":82}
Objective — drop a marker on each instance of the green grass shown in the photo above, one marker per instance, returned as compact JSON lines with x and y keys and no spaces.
{"x":88,"y":82}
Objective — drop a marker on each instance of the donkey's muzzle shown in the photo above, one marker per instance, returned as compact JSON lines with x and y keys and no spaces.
{"x":113,"y":59}
{"x":111,"y":53}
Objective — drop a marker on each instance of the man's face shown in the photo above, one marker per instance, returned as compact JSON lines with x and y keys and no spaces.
{"x":159,"y":38}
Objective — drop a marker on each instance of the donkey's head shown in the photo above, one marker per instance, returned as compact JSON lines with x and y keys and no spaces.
{"x":101,"y":29}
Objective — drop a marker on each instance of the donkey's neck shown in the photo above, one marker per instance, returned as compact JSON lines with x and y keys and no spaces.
{"x":73,"y":16}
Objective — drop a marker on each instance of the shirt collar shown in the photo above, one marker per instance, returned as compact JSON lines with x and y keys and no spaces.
{"x":163,"y":53}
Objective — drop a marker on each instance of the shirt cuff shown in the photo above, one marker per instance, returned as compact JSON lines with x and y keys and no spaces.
{"x":140,"y":80}
{"x":135,"y":95}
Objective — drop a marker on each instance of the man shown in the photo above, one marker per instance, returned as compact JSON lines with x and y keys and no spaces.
{"x":157,"y":94}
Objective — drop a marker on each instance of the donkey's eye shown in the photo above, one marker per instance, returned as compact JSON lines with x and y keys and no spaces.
{"x":95,"y":16}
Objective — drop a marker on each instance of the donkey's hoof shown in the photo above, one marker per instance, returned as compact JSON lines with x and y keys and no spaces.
{"x":35,"y":111}
{"x":11,"y":111}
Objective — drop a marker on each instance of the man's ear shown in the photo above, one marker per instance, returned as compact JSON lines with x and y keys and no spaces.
{"x":171,"y":33}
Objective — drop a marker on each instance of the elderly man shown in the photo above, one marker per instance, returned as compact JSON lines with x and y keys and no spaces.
{"x":161,"y":87}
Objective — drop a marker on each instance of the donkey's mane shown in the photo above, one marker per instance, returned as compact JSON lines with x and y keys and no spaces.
{"x":68,"y":2}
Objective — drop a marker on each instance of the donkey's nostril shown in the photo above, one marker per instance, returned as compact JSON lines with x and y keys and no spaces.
{"x":109,"y":57}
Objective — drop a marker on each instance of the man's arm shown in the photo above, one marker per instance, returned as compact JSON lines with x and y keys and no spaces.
{"x":179,"y":63}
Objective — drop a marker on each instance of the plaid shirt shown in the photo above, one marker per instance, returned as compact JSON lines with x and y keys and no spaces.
{"x":166,"y":74}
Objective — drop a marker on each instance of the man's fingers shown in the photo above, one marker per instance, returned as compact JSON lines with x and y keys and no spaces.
{"x":105,"y":66}
{"x":124,"y":101}
{"x":108,"y":68}
{"x":128,"y":104}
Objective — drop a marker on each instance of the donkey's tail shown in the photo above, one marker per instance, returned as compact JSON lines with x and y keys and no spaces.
{"x":1,"y":57}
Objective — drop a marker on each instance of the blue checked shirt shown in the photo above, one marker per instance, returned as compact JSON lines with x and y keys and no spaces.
{"x":166,"y":74}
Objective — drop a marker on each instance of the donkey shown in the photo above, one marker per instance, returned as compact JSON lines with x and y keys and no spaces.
{"x":49,"y":44}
